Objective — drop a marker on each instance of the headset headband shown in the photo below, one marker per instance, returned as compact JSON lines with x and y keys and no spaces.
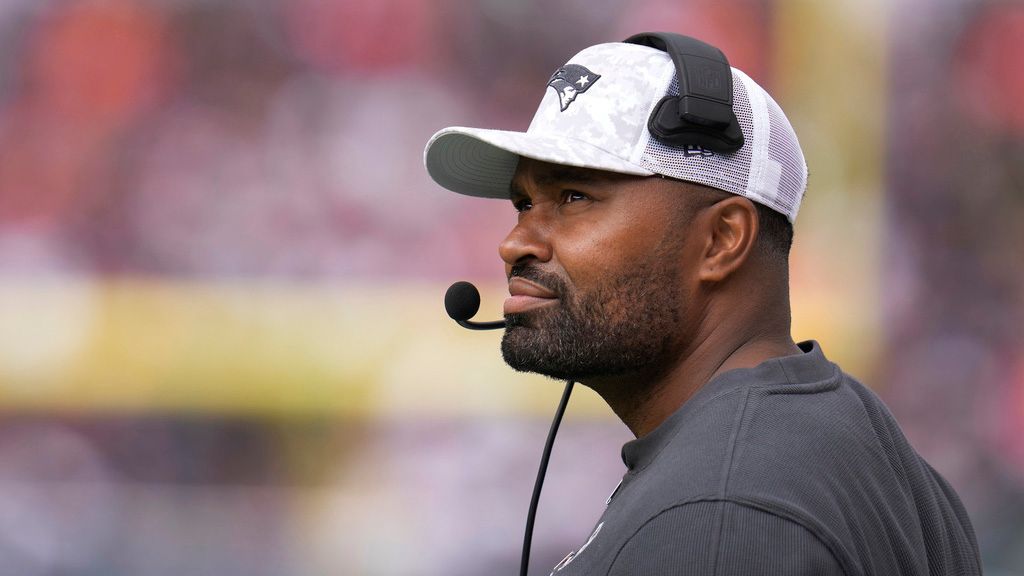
{"x":702,"y":114}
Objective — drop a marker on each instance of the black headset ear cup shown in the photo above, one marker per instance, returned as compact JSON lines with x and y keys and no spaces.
{"x":669,"y":125}
{"x":702,"y":114}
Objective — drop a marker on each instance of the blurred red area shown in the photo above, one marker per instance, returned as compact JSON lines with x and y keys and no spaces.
{"x":379,"y":36}
{"x":100,"y":62}
{"x":989,"y":71}
{"x":93,"y":69}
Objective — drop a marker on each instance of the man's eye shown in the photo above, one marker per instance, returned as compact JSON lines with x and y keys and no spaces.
{"x":575,"y":196}
{"x":522,"y":205}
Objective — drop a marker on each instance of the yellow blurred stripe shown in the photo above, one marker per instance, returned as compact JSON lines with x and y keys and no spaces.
{"x":831,"y":78}
{"x":266,"y":349}
{"x":257,"y":348}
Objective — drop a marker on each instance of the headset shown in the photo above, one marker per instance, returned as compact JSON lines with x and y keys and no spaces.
{"x":702,"y":114}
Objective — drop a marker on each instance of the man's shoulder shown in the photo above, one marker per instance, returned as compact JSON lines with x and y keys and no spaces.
{"x":820,"y":458}
{"x":832,"y":433}
{"x":785,"y":444}
{"x":771,"y":425}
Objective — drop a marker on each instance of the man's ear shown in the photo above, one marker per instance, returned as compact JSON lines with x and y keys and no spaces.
{"x":731,"y":230}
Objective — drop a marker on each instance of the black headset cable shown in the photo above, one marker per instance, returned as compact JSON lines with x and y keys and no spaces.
{"x":531,"y":515}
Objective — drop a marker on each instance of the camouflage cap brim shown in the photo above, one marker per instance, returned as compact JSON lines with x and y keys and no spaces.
{"x":481,"y":162}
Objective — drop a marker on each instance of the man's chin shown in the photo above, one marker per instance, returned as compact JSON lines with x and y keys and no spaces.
{"x":525,"y":350}
{"x":543,"y":370}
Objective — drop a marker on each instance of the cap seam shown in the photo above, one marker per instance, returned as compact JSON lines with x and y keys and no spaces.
{"x":759,"y":145}
{"x":640,"y":147}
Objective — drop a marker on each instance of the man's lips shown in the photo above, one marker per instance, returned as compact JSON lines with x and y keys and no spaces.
{"x":526,"y":295}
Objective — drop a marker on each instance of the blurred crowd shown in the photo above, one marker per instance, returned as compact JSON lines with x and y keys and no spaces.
{"x":953,"y":284}
{"x":266,"y":138}
{"x":211,"y":140}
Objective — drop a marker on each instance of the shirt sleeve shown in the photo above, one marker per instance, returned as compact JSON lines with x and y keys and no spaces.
{"x":719,"y":538}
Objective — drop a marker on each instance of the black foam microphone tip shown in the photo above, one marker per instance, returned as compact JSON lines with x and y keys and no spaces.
{"x":462,"y":300}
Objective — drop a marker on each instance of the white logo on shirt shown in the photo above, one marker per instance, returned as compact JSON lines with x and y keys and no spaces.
{"x":572,"y":555}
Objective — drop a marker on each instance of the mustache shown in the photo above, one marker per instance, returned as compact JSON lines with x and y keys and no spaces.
{"x":534,"y":274}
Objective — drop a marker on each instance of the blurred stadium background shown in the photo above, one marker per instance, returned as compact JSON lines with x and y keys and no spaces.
{"x":222,"y":345}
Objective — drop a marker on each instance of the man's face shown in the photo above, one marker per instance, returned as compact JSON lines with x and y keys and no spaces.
{"x":596,"y":268}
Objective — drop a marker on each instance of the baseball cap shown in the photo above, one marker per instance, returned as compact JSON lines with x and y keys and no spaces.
{"x":594,"y":114}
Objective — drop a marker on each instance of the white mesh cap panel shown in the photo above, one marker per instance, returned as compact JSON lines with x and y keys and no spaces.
{"x":784,"y":148}
{"x":768,"y":169}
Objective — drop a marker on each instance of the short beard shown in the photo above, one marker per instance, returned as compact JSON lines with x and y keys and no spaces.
{"x":627,"y":325}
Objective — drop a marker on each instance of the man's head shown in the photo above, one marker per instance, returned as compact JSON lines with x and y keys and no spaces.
{"x":625,"y":243}
{"x":612,"y":274}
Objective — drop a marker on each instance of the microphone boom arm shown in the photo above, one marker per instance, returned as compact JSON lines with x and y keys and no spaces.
{"x":492,"y":325}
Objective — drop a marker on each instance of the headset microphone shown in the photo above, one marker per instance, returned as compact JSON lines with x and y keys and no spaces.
{"x":462,"y":301}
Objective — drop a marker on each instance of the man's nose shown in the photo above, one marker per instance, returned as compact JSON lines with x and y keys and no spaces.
{"x":527,"y":241}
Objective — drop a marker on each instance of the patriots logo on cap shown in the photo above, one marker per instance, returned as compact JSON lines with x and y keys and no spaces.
{"x":570,"y":81}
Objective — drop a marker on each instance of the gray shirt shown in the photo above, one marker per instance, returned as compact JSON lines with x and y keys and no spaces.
{"x":789,"y":468}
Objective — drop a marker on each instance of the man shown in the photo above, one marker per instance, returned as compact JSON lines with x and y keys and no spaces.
{"x":653,"y":269}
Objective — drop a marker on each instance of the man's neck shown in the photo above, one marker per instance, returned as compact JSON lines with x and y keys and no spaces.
{"x":644,"y":401}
